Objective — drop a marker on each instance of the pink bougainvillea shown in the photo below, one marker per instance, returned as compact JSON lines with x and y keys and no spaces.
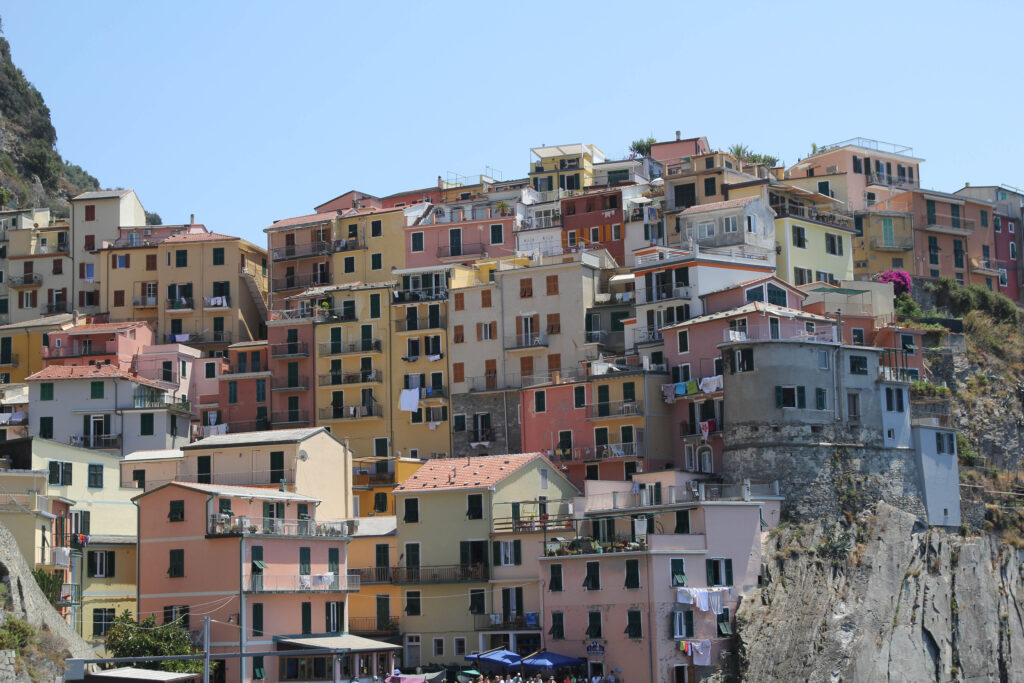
{"x":900,"y":280}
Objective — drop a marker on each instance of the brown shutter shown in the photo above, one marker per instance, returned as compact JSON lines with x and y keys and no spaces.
{"x":119,"y":297}
{"x":127,"y":260}
{"x":526,"y":366}
{"x":485,"y":298}
{"x":150,"y":261}
{"x":458,"y":334}
{"x":458,"y":372}
{"x":81,"y":298}
{"x":519,"y":326}
{"x":552,"y":284}
{"x":479,"y":331}
{"x":113,"y":261}
{"x":460,"y":302}
{"x":536,"y":322}
{"x":554,"y":323}
{"x":35,"y":298}
{"x":81,"y":271}
{"x":555,"y":362}
{"x":494,"y":330}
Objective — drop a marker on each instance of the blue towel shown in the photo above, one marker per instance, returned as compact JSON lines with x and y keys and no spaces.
{"x":680,"y":388}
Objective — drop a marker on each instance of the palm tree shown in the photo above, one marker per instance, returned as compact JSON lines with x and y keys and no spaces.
{"x":740,"y":151}
{"x":642,"y":147}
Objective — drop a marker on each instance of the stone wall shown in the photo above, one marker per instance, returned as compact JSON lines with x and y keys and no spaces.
{"x":503,"y":407}
{"x":822,"y":473}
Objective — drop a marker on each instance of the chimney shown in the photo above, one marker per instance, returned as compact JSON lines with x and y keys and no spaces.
{"x":679,"y":136}
{"x":967,"y":184}
{"x":556,"y":377}
{"x":192,"y":219}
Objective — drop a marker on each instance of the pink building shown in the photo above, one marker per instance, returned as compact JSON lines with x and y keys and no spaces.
{"x":92,"y":343}
{"x":673,"y":150}
{"x":595,"y":220}
{"x":460,"y":233}
{"x":1005,"y":256}
{"x":243,"y":394}
{"x":612,"y":595}
{"x":268,"y":573}
{"x":292,"y":372}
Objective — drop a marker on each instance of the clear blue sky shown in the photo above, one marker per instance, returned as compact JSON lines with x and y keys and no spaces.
{"x":243,"y":113}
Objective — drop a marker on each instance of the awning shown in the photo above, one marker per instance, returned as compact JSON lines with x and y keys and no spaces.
{"x":346,"y":642}
{"x":259,"y":563}
{"x":639,"y":200}
{"x":622,"y":277}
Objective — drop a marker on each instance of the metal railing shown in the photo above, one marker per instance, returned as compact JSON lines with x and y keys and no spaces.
{"x":650,"y":496}
{"x":368,"y":575}
{"x":430,"y":322}
{"x":348,"y":244}
{"x":882,"y":244}
{"x":61,"y":307}
{"x":446,"y":573}
{"x":533,"y":523}
{"x":180,"y":303}
{"x":292,"y":251}
{"x":70,"y":594}
{"x":888,"y":180}
{"x":300,"y":583}
{"x":541,"y":222}
{"x":501,"y":622}
{"x":448,"y":251}
{"x":526,"y":341}
{"x":373,"y":479}
{"x":956,"y":224}
{"x":340,"y":348}
{"x":300,"y":281}
{"x":369,"y":625}
{"x":357,"y":377}
{"x":80,"y":349}
{"x":223,"y":523}
{"x":160,"y":401}
{"x":293,"y":417}
{"x":31,"y":501}
{"x":613,"y":409}
{"x":145,"y":301}
{"x":663,"y":292}
{"x":403,"y":296}
{"x":206,"y":337}
{"x":810,"y":213}
{"x":351,"y":412}
{"x":220,"y":301}
{"x":334,"y":315}
{"x":767,"y":333}
{"x":647,"y":335}
{"x":285,"y":383}
{"x":98,"y":441}
{"x":284,"y":349}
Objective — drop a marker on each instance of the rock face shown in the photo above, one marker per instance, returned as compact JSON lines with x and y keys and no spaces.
{"x":906,"y":604}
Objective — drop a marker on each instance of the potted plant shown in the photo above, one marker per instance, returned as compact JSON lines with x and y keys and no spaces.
{"x":253,"y":529}
{"x":503,"y":208}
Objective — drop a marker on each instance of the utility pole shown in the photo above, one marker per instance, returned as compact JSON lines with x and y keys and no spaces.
{"x":206,"y":649}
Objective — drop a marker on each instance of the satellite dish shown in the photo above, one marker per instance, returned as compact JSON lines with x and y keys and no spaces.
{"x":303,"y":455}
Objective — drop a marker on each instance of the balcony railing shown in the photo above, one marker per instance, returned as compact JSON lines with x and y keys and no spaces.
{"x":447,"y":573}
{"x":289,"y":349}
{"x":647,"y":335}
{"x":504,"y":622}
{"x":289,"y":417}
{"x":80,"y":349}
{"x":26,"y":280}
{"x":533,"y":523}
{"x":70,"y":594}
{"x":767,"y":332}
{"x":341,"y":348}
{"x":954,"y":225}
{"x":226,"y":524}
{"x":363,"y":478}
{"x":159,"y":401}
{"x":881,"y":244}
{"x":526,"y":341}
{"x":368,"y":575}
{"x":246,"y":478}
{"x":289,"y":383}
{"x":30,"y":501}
{"x":60,"y":307}
{"x":98,"y":441}
{"x":613,"y":409}
{"x":888,"y":180}
{"x":403,"y":296}
{"x":300,"y":281}
{"x":300,"y":583}
{"x":464,"y":250}
{"x":334,"y":315}
{"x":430,"y":322}
{"x":810,"y":213}
{"x":214,"y":302}
{"x":374,"y":625}
{"x":629,"y":449}
{"x":358,"y":377}
{"x":181,"y":303}
{"x":348,"y":244}
{"x":650,"y":496}
{"x":663,"y":293}
{"x":144,"y":301}
{"x":987,"y":266}
{"x":206,"y":337}
{"x":541,"y":222}
{"x":294,"y":251}
{"x":351,"y":412}
{"x":930,"y":413}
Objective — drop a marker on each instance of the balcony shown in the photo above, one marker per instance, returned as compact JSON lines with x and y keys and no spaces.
{"x":289,"y":417}
{"x":986,"y":267}
{"x":348,"y":244}
{"x":404,"y":296}
{"x":532,"y":523}
{"x":342,"y":348}
{"x":647,"y":335}
{"x":26,"y":280}
{"x":215,"y":337}
{"x":351,"y":412}
{"x":593,"y":546}
{"x":506,"y":622}
{"x":526,"y":341}
{"x":59,"y":556}
{"x":810,"y":213}
{"x":230,"y":525}
{"x":930,"y":412}
{"x":493,"y":382}
{"x":213,"y":303}
{"x":474,"y":250}
{"x":374,"y":626}
{"x":327,"y":582}
{"x":296,"y":349}
{"x":70,"y":595}
{"x":885,"y":180}
{"x":144,"y":301}
{"x":364,"y":478}
{"x":441,"y":573}
{"x":162,"y":401}
{"x":81,"y":349}
{"x":334,"y":315}
{"x":358,"y":377}
{"x":181,"y":304}
{"x":902,"y":244}
{"x":541,"y":222}
{"x":766,"y":332}
{"x":949,"y":225}
{"x":430,"y":322}
{"x":300,"y":281}
{"x":59,"y":307}
{"x":299,"y":383}
{"x":663,"y":293}
{"x":693,"y":431}
{"x":647,"y":497}
{"x":297,"y":251}
{"x":371,"y":575}
{"x":20,"y":501}
{"x":100,"y":442}
{"x":615,"y":409}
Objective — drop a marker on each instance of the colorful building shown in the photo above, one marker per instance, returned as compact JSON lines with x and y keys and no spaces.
{"x":22,"y":344}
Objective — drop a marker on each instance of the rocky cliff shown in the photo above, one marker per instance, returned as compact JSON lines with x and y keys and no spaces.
{"x":897,"y":602}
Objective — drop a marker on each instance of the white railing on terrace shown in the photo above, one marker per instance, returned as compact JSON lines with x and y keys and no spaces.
{"x":767,"y":333}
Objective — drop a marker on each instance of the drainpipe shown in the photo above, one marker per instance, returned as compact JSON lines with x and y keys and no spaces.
{"x":836,"y":375}
{"x":241,"y":606}
{"x":650,"y":617}
{"x":138,"y":560}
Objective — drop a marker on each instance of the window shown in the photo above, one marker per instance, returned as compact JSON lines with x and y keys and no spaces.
{"x":595,"y":234}
{"x":945,"y":444}
{"x":555,"y":578}
{"x":376,"y":228}
{"x":412,"y":604}
{"x":593,"y":625}
{"x":497,"y":234}
{"x":95,"y":476}
{"x":146,"y":424}
{"x":102,"y":620}
{"x":802,"y":276}
{"x":551,"y":282}
{"x":508,"y":553}
{"x":853,"y":406}
{"x":682,"y":624}
{"x":46,"y":428}
{"x":984,"y":219}
{"x":743,"y":360}
{"x":730,"y":224}
{"x":485,"y":298}
{"x":176,"y":511}
{"x":1002,"y":277}
{"x":544,"y":475}
{"x":823,"y":360}
{"x":677,"y":571}
{"x":412,"y":511}
{"x":592,"y":581}
{"x":460,"y":301}
{"x":790,"y":397}
{"x":799,"y":237}
{"x":579,"y":395}
{"x":820,"y":399}
{"x":719,"y":572}
{"x":683,"y":341}
{"x":834,"y":244}
{"x":557,"y":630}
{"x":539,"y":401}
{"x":376,"y":262}
{"x":633,"y":628}
{"x":96,"y":389}
{"x":438,"y":647}
{"x":475,"y":506}
{"x":232,"y":392}
{"x":350,"y":264}
{"x":525,"y":288}
{"x":682,"y":522}
{"x":417,"y":242}
{"x":724,"y":629}
{"x":46,"y":391}
{"x":307,"y":617}
{"x":458,"y":646}
{"x":181,"y":258}
{"x":705,"y":230}
{"x":1013,"y":251}
{"x":100,"y":564}
{"x":858,"y":336}
{"x":90,"y":215}
{"x":709,"y":187}
{"x":894,"y":400}
{"x":554,"y":323}
{"x":60,"y":472}
{"x":632,"y":574}
{"x":261,"y":390}
{"x":176,"y":570}
{"x":858,"y":365}
{"x":476,"y":601}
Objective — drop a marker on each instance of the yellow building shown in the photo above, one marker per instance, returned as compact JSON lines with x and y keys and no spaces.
{"x":375,"y":610}
{"x":884,"y":240}
{"x":21,"y":345}
{"x":813,"y":241}
{"x":37,"y":267}
{"x":380,"y":232}
{"x":372,"y":491}
{"x":563,"y":167}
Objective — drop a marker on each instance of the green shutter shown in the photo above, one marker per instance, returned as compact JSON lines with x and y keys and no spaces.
{"x":688,"y":623}
{"x":304,"y":563}
{"x":632,"y":573}
{"x":728,"y":572}
{"x":110,"y":564}
{"x":257,"y":619}
{"x":778,"y":396}
{"x":464,"y":553}
{"x":801,"y":398}
{"x":682,"y":521}
{"x":307,"y":617}
{"x":710,"y":565}
{"x":517,"y":552}
{"x":496,"y":552}
{"x":90,"y":563}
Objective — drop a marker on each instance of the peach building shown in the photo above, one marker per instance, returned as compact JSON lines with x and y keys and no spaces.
{"x":267,"y":570}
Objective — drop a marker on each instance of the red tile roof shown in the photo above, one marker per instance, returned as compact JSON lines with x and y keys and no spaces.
{"x":314,"y":218}
{"x":58,"y":372}
{"x":715,"y":206}
{"x":183,"y":237}
{"x":87,"y":328}
{"x":440,"y":474}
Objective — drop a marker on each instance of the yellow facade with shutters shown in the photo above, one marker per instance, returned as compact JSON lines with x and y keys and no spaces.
{"x":373,"y":246}
{"x":21,"y":345}
{"x":808,"y":251}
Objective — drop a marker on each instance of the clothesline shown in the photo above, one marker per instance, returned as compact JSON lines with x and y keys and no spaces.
{"x":706,"y":385}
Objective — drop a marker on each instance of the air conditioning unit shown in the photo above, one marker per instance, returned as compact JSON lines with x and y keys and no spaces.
{"x":147,"y":233}
{"x":832,"y":169}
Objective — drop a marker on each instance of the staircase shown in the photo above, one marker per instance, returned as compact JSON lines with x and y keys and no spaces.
{"x":256,"y":294}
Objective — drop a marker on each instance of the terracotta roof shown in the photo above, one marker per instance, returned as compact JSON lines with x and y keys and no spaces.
{"x":483,"y":471}
{"x":89,"y":328}
{"x":55,"y":320}
{"x":55,"y":372}
{"x":716,"y":206}
{"x":184,"y":237}
{"x":303,"y":220}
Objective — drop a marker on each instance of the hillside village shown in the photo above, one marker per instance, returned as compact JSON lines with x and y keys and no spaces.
{"x":566,"y":414}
